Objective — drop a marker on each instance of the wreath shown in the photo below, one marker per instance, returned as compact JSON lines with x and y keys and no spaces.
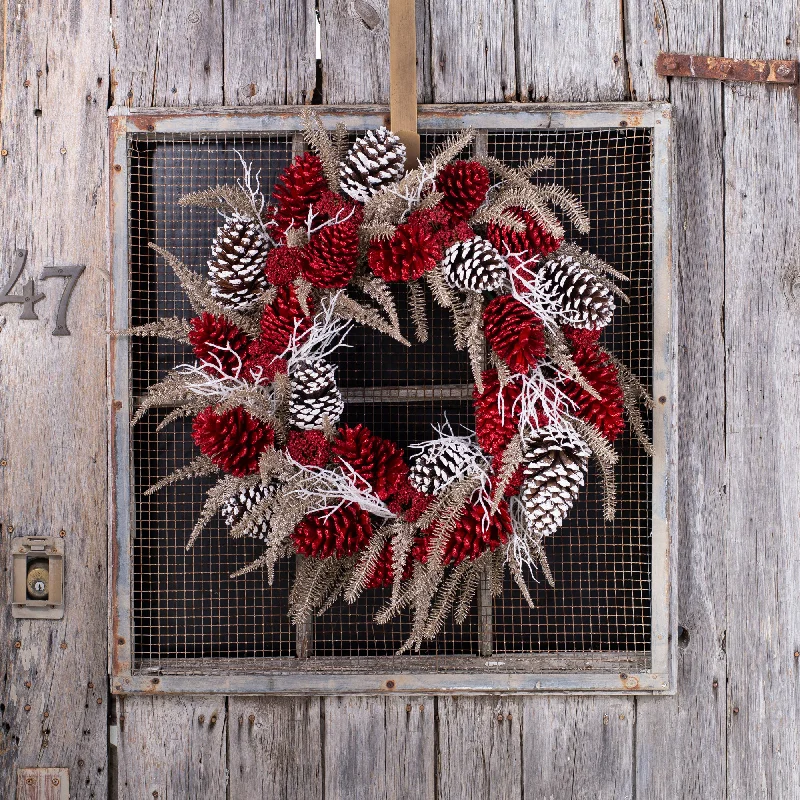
{"x":288,"y":279}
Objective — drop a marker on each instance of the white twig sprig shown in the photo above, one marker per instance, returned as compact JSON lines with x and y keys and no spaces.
{"x":212,"y":381}
{"x":250,"y":184}
{"x":326,"y":335}
{"x":329,"y":490}
{"x":339,"y":219}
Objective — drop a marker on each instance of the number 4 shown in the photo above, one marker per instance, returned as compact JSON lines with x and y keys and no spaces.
{"x":27,"y":300}
{"x":72,"y":273}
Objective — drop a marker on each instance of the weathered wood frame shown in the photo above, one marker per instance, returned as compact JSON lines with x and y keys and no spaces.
{"x":573,"y":673}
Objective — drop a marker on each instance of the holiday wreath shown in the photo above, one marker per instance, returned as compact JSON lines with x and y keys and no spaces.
{"x":286,"y":281}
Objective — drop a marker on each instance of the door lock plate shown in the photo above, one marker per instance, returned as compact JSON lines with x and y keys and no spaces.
{"x":38,"y":577}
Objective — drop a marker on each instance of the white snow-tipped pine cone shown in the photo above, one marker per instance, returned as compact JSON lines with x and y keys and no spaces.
{"x":583,"y":300}
{"x":375,"y":160}
{"x":237,"y":505}
{"x":236,"y":267}
{"x":474,"y":265}
{"x":553,"y":472}
{"x":314,"y":395}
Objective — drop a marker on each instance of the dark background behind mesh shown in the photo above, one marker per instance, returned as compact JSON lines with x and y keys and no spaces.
{"x":186,"y":606}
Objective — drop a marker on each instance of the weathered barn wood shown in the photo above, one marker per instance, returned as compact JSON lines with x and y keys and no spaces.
{"x":732,"y":730}
{"x":54,"y":699}
{"x":698,"y":712}
{"x":173,"y":747}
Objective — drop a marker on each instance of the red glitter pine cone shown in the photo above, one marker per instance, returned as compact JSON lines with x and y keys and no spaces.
{"x":409,"y":254}
{"x":378,"y":461}
{"x":333,"y":254}
{"x":464,"y":184}
{"x":470,"y":540}
{"x":515,"y":333}
{"x":278,"y":320}
{"x":383,"y":571}
{"x":341,"y":533}
{"x":606,"y":414}
{"x":232,"y":440}
{"x":493,"y":430}
{"x":208,"y":334}
{"x":301,"y":184}
{"x":534,"y":240}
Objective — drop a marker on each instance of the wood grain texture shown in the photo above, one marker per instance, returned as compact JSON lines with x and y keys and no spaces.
{"x":167,"y":52}
{"x":762,"y":337}
{"x":354,"y":44}
{"x":375,"y":748}
{"x":578,"y":748}
{"x":270,"y":52}
{"x":473,"y":51}
{"x":668,"y":729}
{"x":172,"y":747}
{"x":480,"y":748}
{"x":53,"y":699}
{"x":570,"y":50}
{"x":274,"y":747}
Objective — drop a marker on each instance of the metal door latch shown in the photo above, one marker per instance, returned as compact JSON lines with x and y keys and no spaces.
{"x":716,"y":68}
{"x":38,"y":577}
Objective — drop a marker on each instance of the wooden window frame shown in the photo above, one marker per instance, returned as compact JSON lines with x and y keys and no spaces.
{"x":652,"y":672}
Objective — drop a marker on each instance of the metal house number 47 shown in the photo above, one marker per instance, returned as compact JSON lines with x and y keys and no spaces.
{"x":30,"y":297}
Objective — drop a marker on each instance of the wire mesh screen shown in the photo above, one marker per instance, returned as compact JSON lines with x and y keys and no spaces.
{"x":184,"y":605}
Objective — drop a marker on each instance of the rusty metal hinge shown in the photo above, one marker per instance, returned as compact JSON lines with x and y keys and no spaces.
{"x":677,"y":65}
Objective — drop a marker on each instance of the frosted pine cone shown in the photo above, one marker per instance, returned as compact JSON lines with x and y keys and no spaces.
{"x":374,"y":161}
{"x":436,"y":466}
{"x":475,"y":265}
{"x":553,"y":472}
{"x":584,"y":301}
{"x":236,"y":267}
{"x":239,"y":504}
{"x":315,"y":395}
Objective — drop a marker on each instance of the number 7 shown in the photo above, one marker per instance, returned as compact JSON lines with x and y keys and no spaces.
{"x":73,"y":273}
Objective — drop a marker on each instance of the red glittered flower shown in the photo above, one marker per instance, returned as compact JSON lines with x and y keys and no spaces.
{"x":233,"y":440}
{"x":309,"y":448}
{"x":284,"y":264}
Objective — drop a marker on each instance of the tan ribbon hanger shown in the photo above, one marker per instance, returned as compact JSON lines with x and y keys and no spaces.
{"x":403,"y":76}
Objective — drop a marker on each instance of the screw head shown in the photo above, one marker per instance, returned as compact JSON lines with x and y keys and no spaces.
{"x":62,"y":534}
{"x":18,"y":645}
{"x":3,"y":152}
{"x":63,"y":151}
{"x":27,"y":707}
{"x":56,"y":781}
{"x":390,"y":684}
{"x":3,"y":463}
{"x":29,"y":781}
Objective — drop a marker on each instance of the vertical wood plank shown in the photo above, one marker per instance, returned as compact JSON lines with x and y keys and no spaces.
{"x":354,"y":743}
{"x":270,"y":52}
{"x":572,"y":50}
{"x":275,"y":748}
{"x":167,"y":52}
{"x":578,"y":748}
{"x":410,"y":754}
{"x":172,"y":747}
{"x":473,"y":51}
{"x":670,"y":728}
{"x":354,"y":42}
{"x":762,"y":335}
{"x":53,"y":698}
{"x":480,"y":748}
{"x":375,"y":748}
